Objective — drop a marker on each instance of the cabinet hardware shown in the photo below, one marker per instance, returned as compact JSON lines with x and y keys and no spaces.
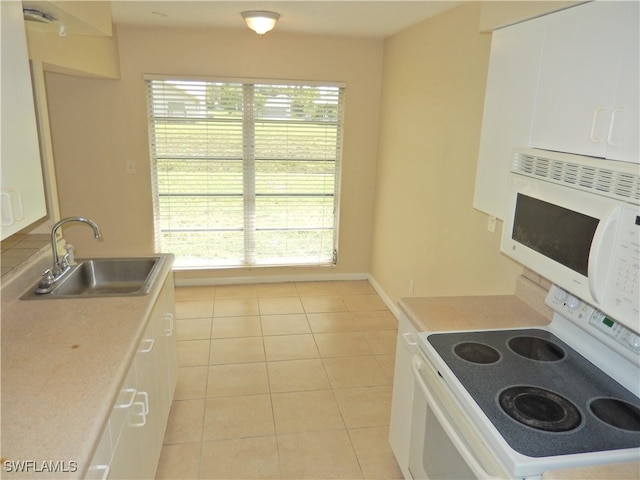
{"x":594,"y":118}
{"x":149,"y":341}
{"x":611,"y":126}
{"x":127,"y":404}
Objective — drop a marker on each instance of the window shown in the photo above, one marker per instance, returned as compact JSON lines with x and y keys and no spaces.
{"x":245,"y":173}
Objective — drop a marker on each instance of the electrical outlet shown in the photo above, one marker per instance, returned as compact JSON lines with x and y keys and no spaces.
{"x":412,"y":287}
{"x":491,"y":224}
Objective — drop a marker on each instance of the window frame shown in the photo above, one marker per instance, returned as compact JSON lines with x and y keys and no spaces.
{"x":249,"y":167}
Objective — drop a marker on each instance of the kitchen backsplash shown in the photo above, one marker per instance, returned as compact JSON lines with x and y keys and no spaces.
{"x":19,"y":248}
{"x":532,"y":289}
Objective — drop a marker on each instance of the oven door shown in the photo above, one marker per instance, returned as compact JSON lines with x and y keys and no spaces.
{"x":444,"y":445}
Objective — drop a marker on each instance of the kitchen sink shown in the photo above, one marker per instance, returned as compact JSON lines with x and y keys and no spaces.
{"x":105,"y":277}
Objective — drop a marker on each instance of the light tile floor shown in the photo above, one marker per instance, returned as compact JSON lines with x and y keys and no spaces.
{"x":282,"y":381}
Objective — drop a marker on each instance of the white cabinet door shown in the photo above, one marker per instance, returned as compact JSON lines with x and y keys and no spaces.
{"x":516,"y":52}
{"x":148,"y":398}
{"x":125,"y":436}
{"x":171,"y":339}
{"x":22,"y":199}
{"x":100,"y":466}
{"x":402,"y":397}
{"x":623,"y":139}
{"x":581,"y":65}
{"x":139,"y":417}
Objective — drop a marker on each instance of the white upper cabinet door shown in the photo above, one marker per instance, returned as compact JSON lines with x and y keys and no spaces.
{"x":623,"y":138}
{"x":512,"y":81}
{"x":586,"y":51}
{"x":22,"y":200}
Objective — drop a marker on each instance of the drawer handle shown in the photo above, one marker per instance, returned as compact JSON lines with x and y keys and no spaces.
{"x":105,"y":470}
{"x":145,"y":397}
{"x":151,"y":342}
{"x":16,"y":203}
{"x":143,"y":415}
{"x":409,"y":339}
{"x":7,"y":210}
{"x":127,"y":404}
{"x":144,"y":405}
{"x":170,"y":324}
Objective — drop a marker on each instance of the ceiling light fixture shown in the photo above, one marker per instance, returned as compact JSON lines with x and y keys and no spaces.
{"x":260,"y":22}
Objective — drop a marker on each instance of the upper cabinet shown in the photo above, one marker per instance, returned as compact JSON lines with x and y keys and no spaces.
{"x":567,"y":81}
{"x":587,"y":100}
{"x":516,"y":53}
{"x":22,"y":198}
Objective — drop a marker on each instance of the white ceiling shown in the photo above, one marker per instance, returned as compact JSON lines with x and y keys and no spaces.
{"x":360,"y":18}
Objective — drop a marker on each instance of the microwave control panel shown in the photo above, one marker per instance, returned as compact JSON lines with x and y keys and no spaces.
{"x":622,"y":297}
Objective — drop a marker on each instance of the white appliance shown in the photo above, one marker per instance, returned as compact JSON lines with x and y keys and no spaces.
{"x":576,"y":221}
{"x":516,"y":403}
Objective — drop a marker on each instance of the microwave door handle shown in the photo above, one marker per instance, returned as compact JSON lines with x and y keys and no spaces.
{"x":599,"y":260}
{"x":416,"y":365}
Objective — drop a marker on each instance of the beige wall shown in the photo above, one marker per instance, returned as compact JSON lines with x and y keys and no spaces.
{"x":89,"y":46}
{"x":100,"y":125}
{"x":81,"y":55}
{"x":425,"y":228}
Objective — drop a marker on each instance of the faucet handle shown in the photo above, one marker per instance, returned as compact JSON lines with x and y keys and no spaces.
{"x":64,"y":263}
{"x":47,"y":276}
{"x":46,"y":284}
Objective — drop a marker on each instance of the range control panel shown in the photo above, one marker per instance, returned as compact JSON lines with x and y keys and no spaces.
{"x":589,"y":318}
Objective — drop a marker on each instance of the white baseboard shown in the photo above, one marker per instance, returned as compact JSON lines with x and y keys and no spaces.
{"x":384,"y":297}
{"x":321,"y":277}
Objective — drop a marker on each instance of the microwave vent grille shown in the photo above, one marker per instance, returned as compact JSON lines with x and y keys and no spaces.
{"x":597,"y":179}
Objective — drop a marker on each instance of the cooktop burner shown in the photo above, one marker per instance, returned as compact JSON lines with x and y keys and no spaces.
{"x":540,"y":408}
{"x":617,"y":413}
{"x":536,"y":349}
{"x":476,"y":352}
{"x":543,"y":397}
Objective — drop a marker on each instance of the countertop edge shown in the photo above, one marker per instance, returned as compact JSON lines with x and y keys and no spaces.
{"x":21,"y":317}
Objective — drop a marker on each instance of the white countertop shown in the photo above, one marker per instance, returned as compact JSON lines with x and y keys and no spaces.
{"x":434,"y":314}
{"x":63,"y":361}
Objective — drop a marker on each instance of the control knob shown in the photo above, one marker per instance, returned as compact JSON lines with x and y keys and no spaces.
{"x":634,"y":341}
{"x":572,"y":302}
{"x":560,"y":294}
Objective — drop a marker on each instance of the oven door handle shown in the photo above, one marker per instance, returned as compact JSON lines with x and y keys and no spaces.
{"x":416,"y":365}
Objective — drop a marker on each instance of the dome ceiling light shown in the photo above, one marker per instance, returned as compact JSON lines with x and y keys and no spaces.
{"x":259,"y":21}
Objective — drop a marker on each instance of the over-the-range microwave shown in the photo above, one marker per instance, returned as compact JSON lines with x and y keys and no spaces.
{"x":575,"y":221}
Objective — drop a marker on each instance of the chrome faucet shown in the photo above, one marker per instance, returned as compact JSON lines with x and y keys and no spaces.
{"x":60,"y":267}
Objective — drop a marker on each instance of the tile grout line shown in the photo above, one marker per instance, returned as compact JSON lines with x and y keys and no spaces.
{"x":321,"y":357}
{"x":206,"y":391}
{"x":273,"y":415}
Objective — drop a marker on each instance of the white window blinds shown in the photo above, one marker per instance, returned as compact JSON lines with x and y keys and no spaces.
{"x":245,"y":173}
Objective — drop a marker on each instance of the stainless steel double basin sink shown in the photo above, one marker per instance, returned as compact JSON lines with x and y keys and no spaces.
{"x":105,"y":277}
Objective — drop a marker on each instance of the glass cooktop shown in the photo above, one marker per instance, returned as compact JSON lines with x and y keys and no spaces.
{"x":543,"y":397}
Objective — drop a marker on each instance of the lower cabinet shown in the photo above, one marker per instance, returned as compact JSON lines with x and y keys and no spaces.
{"x":402,"y":399}
{"x":132,"y":439}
